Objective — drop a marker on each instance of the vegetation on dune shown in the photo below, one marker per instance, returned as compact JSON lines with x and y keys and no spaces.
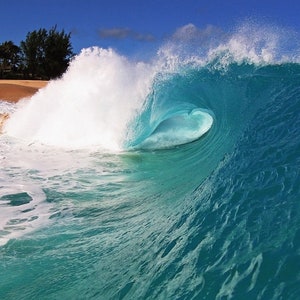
{"x":44,"y":54}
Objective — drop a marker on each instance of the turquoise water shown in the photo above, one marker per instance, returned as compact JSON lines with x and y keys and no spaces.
{"x":194,"y":193}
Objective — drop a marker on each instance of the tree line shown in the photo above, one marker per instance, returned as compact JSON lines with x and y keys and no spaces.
{"x":44,"y":54}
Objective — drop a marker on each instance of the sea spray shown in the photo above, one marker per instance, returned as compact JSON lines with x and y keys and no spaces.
{"x":90,"y":105}
{"x":251,"y":41}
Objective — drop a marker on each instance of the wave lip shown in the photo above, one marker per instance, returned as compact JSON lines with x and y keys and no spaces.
{"x":178,"y":128}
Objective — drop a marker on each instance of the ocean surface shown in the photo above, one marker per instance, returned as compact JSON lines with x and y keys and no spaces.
{"x":175,"y":178}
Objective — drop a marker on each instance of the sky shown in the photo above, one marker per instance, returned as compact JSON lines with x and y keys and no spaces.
{"x":135,"y":26}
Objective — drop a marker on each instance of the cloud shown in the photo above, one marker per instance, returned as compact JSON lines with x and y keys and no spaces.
{"x":74,"y":31}
{"x":124,"y":33}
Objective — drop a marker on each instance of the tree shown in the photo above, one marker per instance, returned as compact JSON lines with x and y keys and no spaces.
{"x":9,"y":58}
{"x":33,"y":52}
{"x":46,"y":54}
{"x":58,"y":52}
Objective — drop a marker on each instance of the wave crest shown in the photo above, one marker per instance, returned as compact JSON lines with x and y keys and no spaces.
{"x":111,"y":102}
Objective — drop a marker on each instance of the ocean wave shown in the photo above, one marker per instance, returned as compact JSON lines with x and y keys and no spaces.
{"x":176,"y":178}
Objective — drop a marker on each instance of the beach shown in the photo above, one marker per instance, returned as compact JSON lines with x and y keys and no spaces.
{"x":14,"y":90}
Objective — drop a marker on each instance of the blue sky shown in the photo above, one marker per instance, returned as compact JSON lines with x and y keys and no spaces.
{"x":133,"y":26}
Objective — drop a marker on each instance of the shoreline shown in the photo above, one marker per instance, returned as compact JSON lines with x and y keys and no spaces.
{"x":14,"y":90}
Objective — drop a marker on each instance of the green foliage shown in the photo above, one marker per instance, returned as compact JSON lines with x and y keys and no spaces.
{"x":9,"y":58}
{"x":58,"y":52}
{"x":33,"y":52}
{"x":43,"y":54}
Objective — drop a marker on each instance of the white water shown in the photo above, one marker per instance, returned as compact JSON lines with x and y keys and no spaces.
{"x":90,"y":105}
{"x":16,"y":221}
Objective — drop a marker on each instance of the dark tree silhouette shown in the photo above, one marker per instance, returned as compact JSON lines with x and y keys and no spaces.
{"x":9,"y":58}
{"x":46,"y":54}
{"x":58,"y":52}
{"x":33,"y":52}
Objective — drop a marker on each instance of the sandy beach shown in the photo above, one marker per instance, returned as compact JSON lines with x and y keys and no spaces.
{"x":14,"y":90}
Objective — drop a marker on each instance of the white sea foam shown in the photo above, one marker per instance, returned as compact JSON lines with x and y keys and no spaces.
{"x":18,"y":220}
{"x":90,"y":105}
{"x":27,"y":172}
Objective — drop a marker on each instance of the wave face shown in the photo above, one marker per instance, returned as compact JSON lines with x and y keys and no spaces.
{"x":187,"y":189}
{"x":110,"y":107}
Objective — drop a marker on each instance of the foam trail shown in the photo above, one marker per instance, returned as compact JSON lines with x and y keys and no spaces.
{"x":90,"y":105}
{"x":17,"y":218}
